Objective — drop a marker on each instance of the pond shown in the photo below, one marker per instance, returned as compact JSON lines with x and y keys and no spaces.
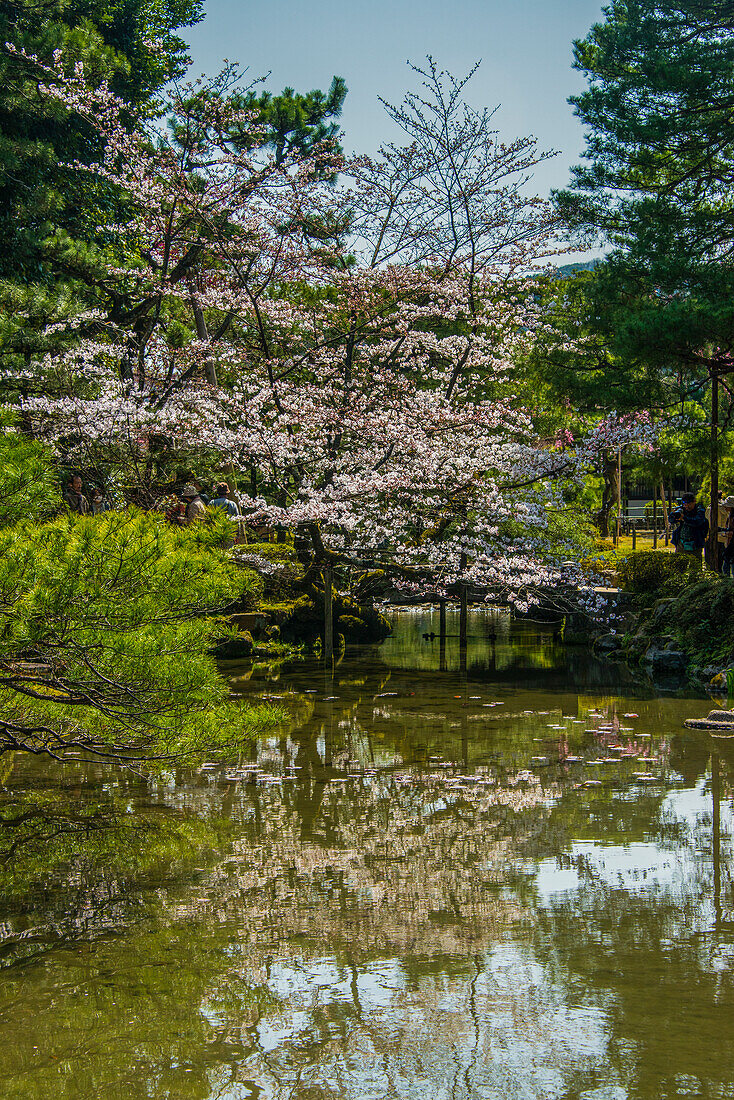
{"x":509,"y":877}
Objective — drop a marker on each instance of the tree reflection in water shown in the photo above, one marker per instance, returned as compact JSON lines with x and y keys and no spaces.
{"x":407,"y":894}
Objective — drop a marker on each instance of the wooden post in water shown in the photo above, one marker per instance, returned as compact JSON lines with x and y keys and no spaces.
{"x":328,"y":616}
{"x":463,"y":608}
{"x":442,"y":635}
{"x":463,"y":619}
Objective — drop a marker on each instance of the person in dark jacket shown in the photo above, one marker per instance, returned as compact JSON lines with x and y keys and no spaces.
{"x":74,"y":497}
{"x":690,"y":526}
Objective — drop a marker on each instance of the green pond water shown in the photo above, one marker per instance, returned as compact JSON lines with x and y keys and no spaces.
{"x":509,"y":877}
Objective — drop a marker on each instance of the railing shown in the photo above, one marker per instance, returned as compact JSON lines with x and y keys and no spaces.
{"x":642,"y":528}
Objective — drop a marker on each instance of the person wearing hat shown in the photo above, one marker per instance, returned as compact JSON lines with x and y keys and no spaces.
{"x":195,"y":507}
{"x":690,"y":527}
{"x":727,"y":560}
{"x":222,"y":500}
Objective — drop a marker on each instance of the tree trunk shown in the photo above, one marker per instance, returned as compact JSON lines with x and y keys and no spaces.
{"x":210,"y":370}
{"x":609,"y":493}
{"x":713,"y":540}
{"x":619,"y":493}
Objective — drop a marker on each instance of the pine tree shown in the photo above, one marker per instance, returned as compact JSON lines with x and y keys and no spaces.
{"x":129,"y":43}
{"x":659,"y":113}
{"x":296,"y":122}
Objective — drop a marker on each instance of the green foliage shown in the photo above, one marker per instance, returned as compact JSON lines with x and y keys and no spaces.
{"x":272,"y":551}
{"x":657,"y":113}
{"x":650,"y":572}
{"x":130,"y":43}
{"x":700,"y":617}
{"x":295,"y":122}
{"x":276,"y":564}
{"x":28,"y":485}
{"x":656,"y":187}
{"x":106,"y":623}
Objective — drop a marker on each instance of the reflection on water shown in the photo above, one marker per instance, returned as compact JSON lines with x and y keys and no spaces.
{"x":504,"y":881}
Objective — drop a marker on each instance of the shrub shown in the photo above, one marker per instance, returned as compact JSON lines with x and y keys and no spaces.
{"x":603,"y":545}
{"x":650,"y":571}
{"x":275,"y":563}
{"x":271,"y":551}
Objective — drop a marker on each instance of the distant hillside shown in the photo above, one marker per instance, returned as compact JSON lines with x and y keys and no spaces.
{"x":571,"y":269}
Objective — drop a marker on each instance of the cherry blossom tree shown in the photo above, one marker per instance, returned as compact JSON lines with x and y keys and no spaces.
{"x":348,"y":345}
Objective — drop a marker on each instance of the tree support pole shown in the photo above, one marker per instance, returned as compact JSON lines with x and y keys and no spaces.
{"x":442,"y":635}
{"x":666,"y":518}
{"x":328,"y":616}
{"x":463,"y":619}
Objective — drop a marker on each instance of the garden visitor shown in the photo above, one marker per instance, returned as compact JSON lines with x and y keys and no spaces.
{"x":100,"y":503}
{"x":74,"y":498}
{"x":727,"y":561}
{"x":221,"y":500}
{"x":195,"y":507}
{"x":690,"y":527}
{"x":722,"y":518}
{"x":199,"y":486}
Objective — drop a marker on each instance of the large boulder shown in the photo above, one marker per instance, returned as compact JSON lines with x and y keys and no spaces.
{"x":236,"y":648}
{"x":607,"y":645}
{"x":663,"y":657}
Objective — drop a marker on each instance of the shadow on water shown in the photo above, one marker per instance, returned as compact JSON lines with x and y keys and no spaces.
{"x":510,"y":877}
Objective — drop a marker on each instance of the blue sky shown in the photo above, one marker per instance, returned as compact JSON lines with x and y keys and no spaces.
{"x":525,"y":50}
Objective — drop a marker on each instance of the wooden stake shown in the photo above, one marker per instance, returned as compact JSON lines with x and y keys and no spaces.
{"x":463,"y":619}
{"x":328,"y":616}
{"x":442,"y":635}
